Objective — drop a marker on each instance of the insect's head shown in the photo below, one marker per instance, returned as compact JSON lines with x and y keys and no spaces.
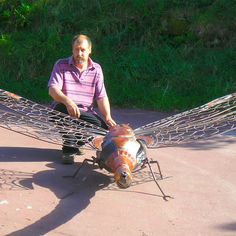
{"x":123,"y":176}
{"x":123,"y":130}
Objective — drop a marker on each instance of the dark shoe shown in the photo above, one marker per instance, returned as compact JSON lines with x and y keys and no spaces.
{"x":68,"y":158}
{"x":80,"y":152}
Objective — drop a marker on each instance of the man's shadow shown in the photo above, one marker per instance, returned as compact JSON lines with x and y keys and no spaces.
{"x":74,"y":193}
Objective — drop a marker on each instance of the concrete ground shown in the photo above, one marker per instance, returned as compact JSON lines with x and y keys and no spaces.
{"x":35,"y":198}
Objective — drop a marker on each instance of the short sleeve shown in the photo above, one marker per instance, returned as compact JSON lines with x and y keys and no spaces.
{"x":100,"y":90}
{"x":56,"y":78}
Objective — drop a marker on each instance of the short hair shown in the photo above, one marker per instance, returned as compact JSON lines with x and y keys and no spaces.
{"x":77,"y":39}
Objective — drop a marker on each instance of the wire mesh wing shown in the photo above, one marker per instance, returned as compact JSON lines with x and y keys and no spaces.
{"x":29,"y":118}
{"x":215,"y":117}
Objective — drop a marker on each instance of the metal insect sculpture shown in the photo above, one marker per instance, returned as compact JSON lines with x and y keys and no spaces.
{"x":120,"y":150}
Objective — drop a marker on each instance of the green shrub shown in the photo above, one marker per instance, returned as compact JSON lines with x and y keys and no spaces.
{"x":164,"y":54}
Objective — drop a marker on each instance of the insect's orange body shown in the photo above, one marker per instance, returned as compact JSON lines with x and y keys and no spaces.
{"x":121,"y":153}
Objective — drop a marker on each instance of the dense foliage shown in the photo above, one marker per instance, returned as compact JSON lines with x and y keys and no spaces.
{"x":157,"y":54}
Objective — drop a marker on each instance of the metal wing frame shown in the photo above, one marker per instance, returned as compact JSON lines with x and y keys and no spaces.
{"x":213,"y":118}
{"x":41,"y":122}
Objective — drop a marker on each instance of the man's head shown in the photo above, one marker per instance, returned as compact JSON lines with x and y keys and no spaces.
{"x":81,"y":48}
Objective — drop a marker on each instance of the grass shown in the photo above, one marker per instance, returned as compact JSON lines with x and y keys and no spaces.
{"x":164,"y":55}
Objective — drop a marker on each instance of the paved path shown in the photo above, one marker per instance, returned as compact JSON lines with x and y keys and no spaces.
{"x":35,"y":199}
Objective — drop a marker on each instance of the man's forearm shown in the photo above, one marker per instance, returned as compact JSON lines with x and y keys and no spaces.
{"x":58,"y":95}
{"x":104,"y":107}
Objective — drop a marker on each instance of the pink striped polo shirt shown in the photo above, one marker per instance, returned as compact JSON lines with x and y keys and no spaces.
{"x":83,"y":87}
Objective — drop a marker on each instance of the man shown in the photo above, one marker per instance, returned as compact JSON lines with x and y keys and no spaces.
{"x":74,"y":84}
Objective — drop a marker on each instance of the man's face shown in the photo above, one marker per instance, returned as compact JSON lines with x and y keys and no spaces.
{"x":81,"y":52}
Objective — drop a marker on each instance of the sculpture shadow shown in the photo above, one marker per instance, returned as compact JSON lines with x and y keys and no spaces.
{"x":219,"y":141}
{"x":26,"y":154}
{"x":227,"y":227}
{"x":74,"y":195}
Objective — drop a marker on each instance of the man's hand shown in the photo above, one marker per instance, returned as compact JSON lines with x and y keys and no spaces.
{"x":110,"y":122}
{"x":58,"y":96}
{"x":72,"y":109}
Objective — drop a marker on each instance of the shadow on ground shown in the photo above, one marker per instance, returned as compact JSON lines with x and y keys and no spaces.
{"x":218,"y":141}
{"x":13,"y":154}
{"x":74,"y":194}
{"x":227,"y":227}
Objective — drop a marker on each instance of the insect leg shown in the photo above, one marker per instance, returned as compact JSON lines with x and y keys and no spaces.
{"x":155,"y":179}
{"x":85,"y":161}
{"x":158,"y":166}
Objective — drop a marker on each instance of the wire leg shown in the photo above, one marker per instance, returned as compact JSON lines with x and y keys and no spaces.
{"x":165,"y":197}
{"x":158,"y":166}
{"x":85,"y":161}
